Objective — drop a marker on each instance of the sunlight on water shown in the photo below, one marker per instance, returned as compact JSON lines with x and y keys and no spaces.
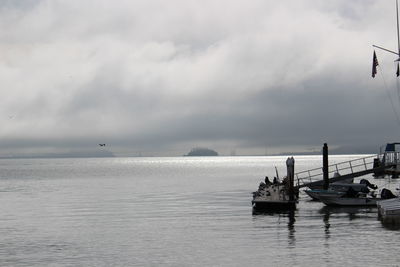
{"x":175,"y":212}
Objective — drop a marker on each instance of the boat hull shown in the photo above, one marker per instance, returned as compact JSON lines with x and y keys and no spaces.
{"x":265,"y":205}
{"x":336,"y":190}
{"x":316,"y":194}
{"x":349,"y":201}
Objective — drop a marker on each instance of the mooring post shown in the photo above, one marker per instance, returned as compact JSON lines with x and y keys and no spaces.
{"x":325,"y":166}
{"x":290,"y":177}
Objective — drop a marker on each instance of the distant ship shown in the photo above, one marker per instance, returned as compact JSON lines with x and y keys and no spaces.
{"x":196,"y":152}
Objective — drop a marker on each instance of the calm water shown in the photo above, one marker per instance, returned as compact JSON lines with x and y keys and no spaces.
{"x":175,"y":212}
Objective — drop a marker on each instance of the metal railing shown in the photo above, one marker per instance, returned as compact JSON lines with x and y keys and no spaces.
{"x":348,"y":167}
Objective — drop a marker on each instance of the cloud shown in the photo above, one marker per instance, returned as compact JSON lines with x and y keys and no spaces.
{"x":160,"y":77}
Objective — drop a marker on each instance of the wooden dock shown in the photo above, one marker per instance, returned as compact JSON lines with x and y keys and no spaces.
{"x":389,"y":211}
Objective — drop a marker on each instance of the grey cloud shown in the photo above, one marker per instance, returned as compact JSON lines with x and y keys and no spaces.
{"x":162,"y":76}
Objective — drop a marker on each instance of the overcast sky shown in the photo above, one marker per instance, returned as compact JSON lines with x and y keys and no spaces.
{"x":158,"y":77}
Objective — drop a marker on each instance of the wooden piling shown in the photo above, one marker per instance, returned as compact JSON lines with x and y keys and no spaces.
{"x":290,"y":176}
{"x":325,"y":168}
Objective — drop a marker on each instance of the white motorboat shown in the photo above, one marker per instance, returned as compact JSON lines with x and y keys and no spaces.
{"x":340,"y":189}
{"x":349,"y":201}
{"x":357,"y":199}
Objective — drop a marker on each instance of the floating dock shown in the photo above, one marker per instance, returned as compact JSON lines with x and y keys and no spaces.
{"x":389,"y":211}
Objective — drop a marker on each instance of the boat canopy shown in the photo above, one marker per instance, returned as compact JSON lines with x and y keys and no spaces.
{"x":391,"y":147}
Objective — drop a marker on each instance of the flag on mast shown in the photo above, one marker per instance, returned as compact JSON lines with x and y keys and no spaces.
{"x":374,"y":65}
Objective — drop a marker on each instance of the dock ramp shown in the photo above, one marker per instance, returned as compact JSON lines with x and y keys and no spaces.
{"x":379,"y":163}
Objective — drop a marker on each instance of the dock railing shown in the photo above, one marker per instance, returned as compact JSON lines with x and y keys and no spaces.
{"x":347,"y":168}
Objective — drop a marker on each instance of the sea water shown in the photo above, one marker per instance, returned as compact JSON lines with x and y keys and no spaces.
{"x":176,"y":211}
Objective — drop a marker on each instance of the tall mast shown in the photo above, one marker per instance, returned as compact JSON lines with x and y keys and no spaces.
{"x":375,"y":62}
{"x":398,"y":36}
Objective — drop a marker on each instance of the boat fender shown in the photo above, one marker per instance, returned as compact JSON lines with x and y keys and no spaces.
{"x":386,"y":194}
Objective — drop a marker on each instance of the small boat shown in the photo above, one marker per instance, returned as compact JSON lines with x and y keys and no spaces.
{"x":333,"y":190}
{"x":349,"y":201}
{"x":273,"y":197}
{"x":340,"y":189}
{"x":276,"y":195}
{"x":357,"y":198}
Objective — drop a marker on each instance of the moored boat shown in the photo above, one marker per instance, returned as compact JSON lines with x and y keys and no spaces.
{"x":316,"y":193}
{"x":276,"y":195}
{"x":273,"y":197}
{"x":340,"y":189}
{"x":349,"y":201}
{"x":357,"y":199}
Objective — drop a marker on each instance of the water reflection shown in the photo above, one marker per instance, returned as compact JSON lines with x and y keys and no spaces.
{"x":291,"y":219}
{"x":389,"y":224}
{"x":327,"y":225}
{"x":291,"y":229}
{"x":353,"y":212}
